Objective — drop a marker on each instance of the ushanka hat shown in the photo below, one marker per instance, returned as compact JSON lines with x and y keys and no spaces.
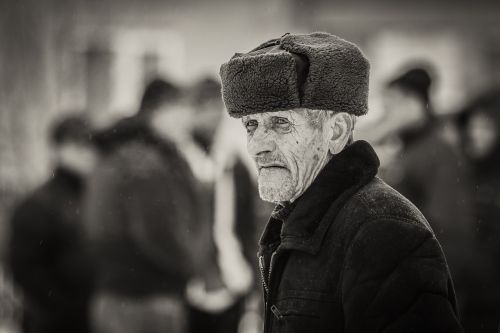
{"x":417,"y":81}
{"x":316,"y":71}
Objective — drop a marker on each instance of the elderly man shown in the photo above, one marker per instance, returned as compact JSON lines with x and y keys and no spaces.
{"x":342,"y":252}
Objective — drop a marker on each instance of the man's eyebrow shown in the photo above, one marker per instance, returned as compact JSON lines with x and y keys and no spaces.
{"x":247,"y":117}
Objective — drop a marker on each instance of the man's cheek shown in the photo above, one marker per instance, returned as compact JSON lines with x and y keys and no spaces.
{"x":294,"y":144}
{"x":299,"y":152}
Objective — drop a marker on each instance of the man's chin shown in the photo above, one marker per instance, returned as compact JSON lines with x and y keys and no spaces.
{"x":278,"y":192}
{"x":275,"y":195}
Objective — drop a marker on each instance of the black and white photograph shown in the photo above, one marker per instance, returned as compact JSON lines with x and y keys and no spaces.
{"x":249,"y":166}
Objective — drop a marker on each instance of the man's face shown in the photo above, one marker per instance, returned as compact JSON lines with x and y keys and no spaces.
{"x":207,"y":119}
{"x":78,"y":157}
{"x":289,"y":151}
{"x":482,"y":135}
{"x":403,"y":110}
{"x":173,"y":121}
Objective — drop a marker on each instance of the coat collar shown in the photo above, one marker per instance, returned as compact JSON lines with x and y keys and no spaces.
{"x":303,"y":224}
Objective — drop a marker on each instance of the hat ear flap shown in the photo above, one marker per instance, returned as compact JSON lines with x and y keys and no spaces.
{"x":302,"y":68}
{"x":260,"y":83}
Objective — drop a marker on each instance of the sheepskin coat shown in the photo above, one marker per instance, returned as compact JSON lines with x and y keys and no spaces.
{"x":353,"y":255}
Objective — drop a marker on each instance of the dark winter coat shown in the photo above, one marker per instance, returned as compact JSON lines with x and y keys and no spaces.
{"x":48,"y":259}
{"x":486,"y":200}
{"x":140,"y":217}
{"x":482,"y":310}
{"x":434,"y":177}
{"x":353,"y":255}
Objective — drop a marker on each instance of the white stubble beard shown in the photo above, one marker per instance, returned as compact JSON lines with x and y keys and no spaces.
{"x":276,"y":185}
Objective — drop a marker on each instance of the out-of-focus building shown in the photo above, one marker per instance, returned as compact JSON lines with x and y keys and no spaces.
{"x":93,"y":54}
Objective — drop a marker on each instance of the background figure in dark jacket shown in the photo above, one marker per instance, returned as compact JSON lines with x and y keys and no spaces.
{"x":48,"y":259}
{"x":480,"y":125}
{"x":143,"y":218}
{"x":430,"y":170}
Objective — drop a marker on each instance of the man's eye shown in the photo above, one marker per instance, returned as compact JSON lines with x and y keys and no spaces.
{"x":281,"y":122}
{"x":251,"y":125}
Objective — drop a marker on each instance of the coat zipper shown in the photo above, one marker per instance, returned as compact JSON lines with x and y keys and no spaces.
{"x":266,"y":290}
{"x":263,"y":276}
{"x":276,"y":312}
{"x":266,"y":282}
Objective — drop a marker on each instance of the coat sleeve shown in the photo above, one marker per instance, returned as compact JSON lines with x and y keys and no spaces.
{"x":396,"y":280}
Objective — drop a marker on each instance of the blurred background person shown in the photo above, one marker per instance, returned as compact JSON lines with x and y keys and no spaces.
{"x":239,"y":219}
{"x":47,"y":256}
{"x":428,"y":169}
{"x":213,"y":305}
{"x":220,"y":298}
{"x":479,"y":122}
{"x":144,"y":218}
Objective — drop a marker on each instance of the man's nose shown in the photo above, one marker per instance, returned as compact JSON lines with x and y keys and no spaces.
{"x":261,"y":142}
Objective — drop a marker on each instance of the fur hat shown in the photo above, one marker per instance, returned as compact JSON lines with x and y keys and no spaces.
{"x":157,"y":93}
{"x":316,"y":71}
{"x":75,"y":128}
{"x":417,"y":81}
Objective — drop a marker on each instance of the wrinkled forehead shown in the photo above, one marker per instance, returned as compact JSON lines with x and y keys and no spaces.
{"x":293,"y":114}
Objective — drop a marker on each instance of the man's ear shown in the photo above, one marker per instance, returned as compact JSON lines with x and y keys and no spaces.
{"x":341,"y":125}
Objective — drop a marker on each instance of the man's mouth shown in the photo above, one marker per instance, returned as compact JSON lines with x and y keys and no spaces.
{"x":271,"y":166}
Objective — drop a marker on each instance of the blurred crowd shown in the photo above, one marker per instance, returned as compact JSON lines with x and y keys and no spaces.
{"x":151,"y":224}
{"x":447,"y":165}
